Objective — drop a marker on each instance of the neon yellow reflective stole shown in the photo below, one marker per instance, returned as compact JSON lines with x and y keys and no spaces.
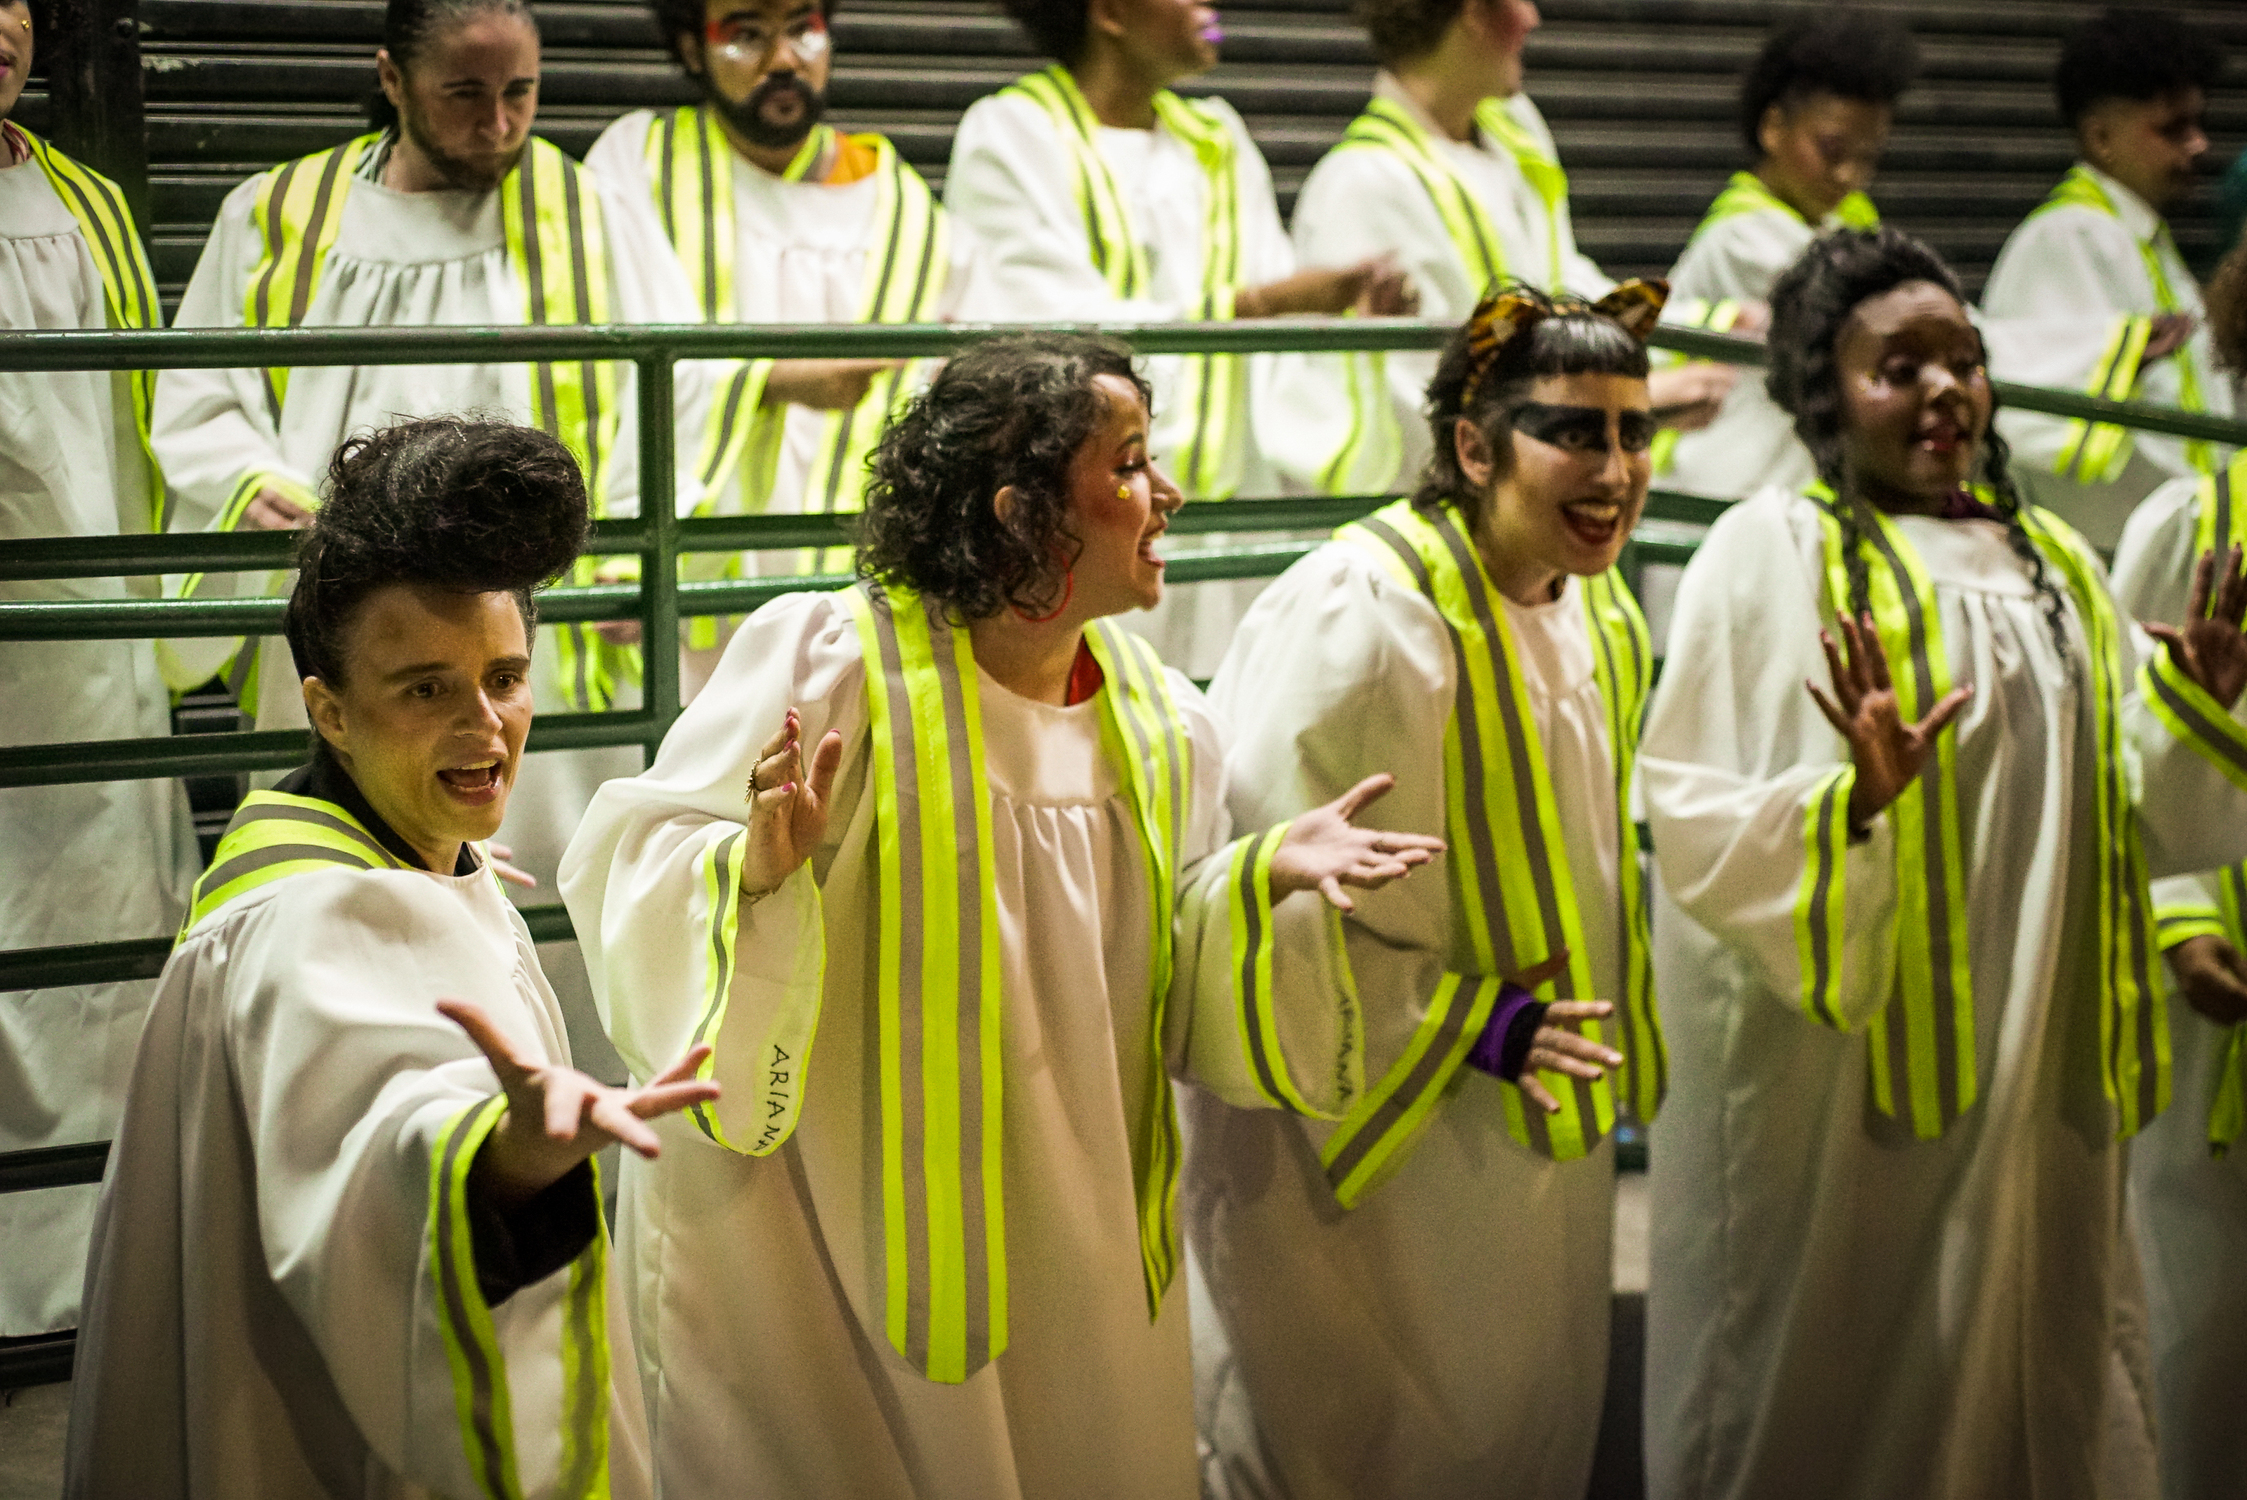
{"x":940,"y":990}
{"x":1921,"y":1051}
{"x":275,"y":835}
{"x":558,"y":246}
{"x":908,"y":262}
{"x":1513,"y":893}
{"x":1747,"y":193}
{"x":1209,"y":389}
{"x":128,"y":286}
{"x":2091,"y":452}
{"x":1388,"y":126}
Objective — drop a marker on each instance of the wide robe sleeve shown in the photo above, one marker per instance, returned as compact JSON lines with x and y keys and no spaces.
{"x":1747,"y":786}
{"x":364,"y":1109}
{"x":676,"y":954}
{"x":1340,"y":672}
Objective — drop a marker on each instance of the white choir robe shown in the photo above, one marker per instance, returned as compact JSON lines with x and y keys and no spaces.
{"x":758,"y":1281}
{"x":1751,"y":444}
{"x":1448,"y":1336}
{"x":800,"y":254}
{"x":1012,"y":183}
{"x":2188,"y":1206}
{"x":85,"y":863}
{"x":263,"y":1301}
{"x":1360,"y":202}
{"x":2063,"y":281}
{"x":416,"y":260}
{"x":1836,"y":1307}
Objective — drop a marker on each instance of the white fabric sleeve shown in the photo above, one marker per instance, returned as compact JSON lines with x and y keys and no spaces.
{"x":648,"y":285}
{"x":2153,"y":563}
{"x":1738,"y":765}
{"x":653,"y":878}
{"x":2190,"y":771}
{"x":1011,"y":182}
{"x":364,"y":1108}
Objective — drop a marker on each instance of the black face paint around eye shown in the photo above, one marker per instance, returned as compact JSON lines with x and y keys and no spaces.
{"x":1583,"y":429}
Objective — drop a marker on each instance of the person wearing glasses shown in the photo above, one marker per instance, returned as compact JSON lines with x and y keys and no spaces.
{"x":776,"y":216}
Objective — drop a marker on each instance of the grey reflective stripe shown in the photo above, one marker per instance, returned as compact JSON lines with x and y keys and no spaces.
{"x":1940,"y":820}
{"x":584,"y":1409}
{"x":1252,"y":1018}
{"x":910,"y":980}
{"x":737,"y":391}
{"x":221,"y":876}
{"x":255,"y":811}
{"x":661,"y":130}
{"x":276,"y":227}
{"x":573,"y":206}
{"x":1455,"y":995}
{"x":1821,"y":891}
{"x":2148,"y":1011}
{"x":534,"y":275}
{"x":1600,"y":591}
{"x":453,"y":1281}
{"x":722,"y":912}
{"x":838,"y":459}
{"x":968,"y":857}
{"x":2211,"y":735}
{"x":2221,"y":538}
{"x":308,"y":254}
{"x":1388,"y":134}
{"x":706,"y":162}
{"x":1538,"y":856}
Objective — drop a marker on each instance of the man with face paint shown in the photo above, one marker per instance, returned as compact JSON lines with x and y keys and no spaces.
{"x":2090,"y":292}
{"x":449,"y":211}
{"x":777,"y":217}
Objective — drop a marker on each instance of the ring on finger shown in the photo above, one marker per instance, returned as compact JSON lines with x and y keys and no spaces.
{"x":753,"y":787}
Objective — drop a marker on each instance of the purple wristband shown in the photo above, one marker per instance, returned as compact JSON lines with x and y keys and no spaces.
{"x":1491,"y":1054}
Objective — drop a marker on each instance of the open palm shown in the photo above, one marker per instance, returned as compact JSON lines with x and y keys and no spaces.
{"x":1888,"y":752}
{"x":787,"y":807}
{"x":1324,"y":850}
{"x":2210,"y":649}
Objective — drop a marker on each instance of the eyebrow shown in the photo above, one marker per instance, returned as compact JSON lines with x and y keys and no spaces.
{"x":429,"y":668}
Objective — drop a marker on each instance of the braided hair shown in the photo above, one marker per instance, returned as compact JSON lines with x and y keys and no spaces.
{"x":1809,"y":307}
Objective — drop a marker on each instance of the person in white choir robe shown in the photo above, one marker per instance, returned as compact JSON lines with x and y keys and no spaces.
{"x":450,"y":211}
{"x":1451,"y":174}
{"x":777,"y":217}
{"x":92,"y":861}
{"x":350,"y":1239}
{"x":1100,"y":195}
{"x":1815,"y":108}
{"x":2090,"y":293}
{"x":2188,"y":1194}
{"x":1414,"y":1302}
{"x":1907,"y":941}
{"x":939,"y":864}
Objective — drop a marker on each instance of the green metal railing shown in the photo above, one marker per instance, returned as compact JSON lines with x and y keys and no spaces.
{"x":658,"y":537}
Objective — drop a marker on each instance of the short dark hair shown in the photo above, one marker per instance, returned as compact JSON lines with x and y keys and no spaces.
{"x":1852,"y":55}
{"x":450,"y":503}
{"x":2125,"y":53}
{"x":1401,"y":30}
{"x":1571,"y":339}
{"x":1012,"y":411}
{"x":1056,"y":28}
{"x":408,"y":26}
{"x":2226,"y":300}
{"x":677,"y":18}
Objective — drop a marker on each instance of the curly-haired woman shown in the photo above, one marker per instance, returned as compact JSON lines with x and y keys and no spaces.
{"x":1911,"y":1014}
{"x":938,"y":864}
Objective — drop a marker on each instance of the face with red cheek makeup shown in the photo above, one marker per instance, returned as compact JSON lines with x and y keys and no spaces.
{"x":1120,"y":503}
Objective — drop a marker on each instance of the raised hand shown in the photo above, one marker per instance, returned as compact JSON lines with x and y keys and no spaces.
{"x":1555,"y":1046}
{"x":270,"y":510}
{"x":1324,"y":851}
{"x":2210,"y":649}
{"x":1888,"y":752}
{"x":557,"y":1117}
{"x":787,"y":810}
{"x":2213,"y":977}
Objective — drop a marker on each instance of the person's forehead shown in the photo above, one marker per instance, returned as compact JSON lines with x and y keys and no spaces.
{"x":402,"y":622}
{"x":1914,"y":308}
{"x":1601,"y":390}
{"x":760,"y":10}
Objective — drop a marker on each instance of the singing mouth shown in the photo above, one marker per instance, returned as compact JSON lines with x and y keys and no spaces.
{"x":475,"y":781}
{"x":1596,"y":523}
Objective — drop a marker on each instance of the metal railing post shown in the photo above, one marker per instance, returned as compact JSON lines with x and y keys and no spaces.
{"x":659,"y":565}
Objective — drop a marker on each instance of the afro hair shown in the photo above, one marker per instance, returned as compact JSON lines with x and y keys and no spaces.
{"x":2132,"y":54}
{"x":1847,"y":54}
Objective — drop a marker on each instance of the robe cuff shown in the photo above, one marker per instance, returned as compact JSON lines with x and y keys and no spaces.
{"x":247,"y":487}
{"x":1376,"y":1136}
{"x":1255,"y":943}
{"x":2182,"y":921}
{"x":1506,"y":1038}
{"x":2192,"y":716}
{"x":519,"y":1246}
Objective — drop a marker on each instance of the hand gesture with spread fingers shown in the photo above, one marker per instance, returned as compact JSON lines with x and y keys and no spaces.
{"x":1888,"y":752}
{"x":787,"y":809}
{"x":557,"y":1117}
{"x":1324,"y":851}
{"x":1558,"y":1048}
{"x":2210,"y":650}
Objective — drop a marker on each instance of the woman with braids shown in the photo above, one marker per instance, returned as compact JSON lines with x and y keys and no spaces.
{"x":938,"y":865}
{"x":350,"y":1239}
{"x":1908,"y":772}
{"x":1416,"y":1296}
{"x":2188,"y":1183}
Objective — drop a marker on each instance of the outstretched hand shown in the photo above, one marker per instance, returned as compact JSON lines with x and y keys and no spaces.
{"x":2213,"y":977}
{"x":1557,"y":1048}
{"x":1888,"y":753}
{"x":1325,"y":851}
{"x":2210,"y":649}
{"x":557,"y":1117}
{"x":787,"y":810}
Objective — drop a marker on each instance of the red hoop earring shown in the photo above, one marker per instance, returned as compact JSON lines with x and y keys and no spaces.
{"x":1068,"y":589}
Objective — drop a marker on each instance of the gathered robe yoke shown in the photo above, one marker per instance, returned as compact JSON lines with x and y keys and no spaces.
{"x":1448,"y":1334}
{"x":1013,"y":184}
{"x":2188,"y":1203}
{"x":1838,"y":1307}
{"x":91,"y":862}
{"x":2067,"y":305}
{"x":758,"y":1280}
{"x":267,"y":1304}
